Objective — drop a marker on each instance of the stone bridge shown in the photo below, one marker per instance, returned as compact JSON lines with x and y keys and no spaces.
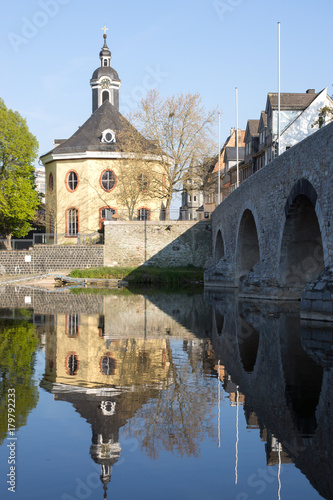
{"x":272,"y":237}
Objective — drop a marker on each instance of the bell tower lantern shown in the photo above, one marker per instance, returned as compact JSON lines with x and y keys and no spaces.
{"x":105,"y":81}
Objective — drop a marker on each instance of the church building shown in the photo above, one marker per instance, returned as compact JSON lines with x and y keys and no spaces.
{"x":95,"y":175}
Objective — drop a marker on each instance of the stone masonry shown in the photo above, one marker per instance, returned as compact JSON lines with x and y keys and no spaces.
{"x":161,"y":244}
{"x":273,"y":235}
{"x":46,"y":258}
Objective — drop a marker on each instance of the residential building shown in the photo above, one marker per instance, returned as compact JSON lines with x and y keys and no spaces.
{"x":194,"y":187}
{"x":298,"y":113}
{"x":40,"y":182}
{"x":224,"y":165}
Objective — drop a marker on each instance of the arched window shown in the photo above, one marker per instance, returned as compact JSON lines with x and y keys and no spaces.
{"x":107,"y":365}
{"x":72,"y":364}
{"x":143,"y":181}
{"x":51,"y":182}
{"x":108,"y":180}
{"x":106,"y":213}
{"x":72,"y":325}
{"x":105,"y":62}
{"x":101,"y":325}
{"x":143,"y":362}
{"x":72,"y":180}
{"x":72,"y":222}
{"x":143,"y":214}
{"x":105,"y":96}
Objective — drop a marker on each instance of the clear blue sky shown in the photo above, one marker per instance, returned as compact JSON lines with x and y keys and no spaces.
{"x":49,"y":50}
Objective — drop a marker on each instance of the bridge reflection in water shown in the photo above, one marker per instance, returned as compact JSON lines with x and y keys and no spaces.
{"x":140,"y":368}
{"x":283,"y":366}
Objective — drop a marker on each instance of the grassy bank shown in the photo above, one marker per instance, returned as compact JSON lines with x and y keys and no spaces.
{"x":145,"y":275}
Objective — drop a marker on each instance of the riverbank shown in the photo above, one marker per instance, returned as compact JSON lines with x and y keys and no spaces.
{"x":145,"y":275}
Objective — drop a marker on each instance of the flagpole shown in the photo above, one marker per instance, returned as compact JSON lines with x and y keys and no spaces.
{"x":279,"y":92}
{"x":219,"y":169}
{"x":237,"y":137}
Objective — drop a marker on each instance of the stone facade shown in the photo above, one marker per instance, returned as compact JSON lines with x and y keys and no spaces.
{"x":162,"y":244}
{"x":46,"y":258}
{"x":273,"y":234}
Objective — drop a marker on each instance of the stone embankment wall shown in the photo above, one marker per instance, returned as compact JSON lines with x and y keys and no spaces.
{"x":162,"y":244}
{"x":50,"y":301}
{"x":46,"y":258}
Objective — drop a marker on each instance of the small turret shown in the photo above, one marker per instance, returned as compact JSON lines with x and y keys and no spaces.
{"x":105,"y":82}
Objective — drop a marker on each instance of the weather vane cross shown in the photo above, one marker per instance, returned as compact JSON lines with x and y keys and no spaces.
{"x":105,"y":29}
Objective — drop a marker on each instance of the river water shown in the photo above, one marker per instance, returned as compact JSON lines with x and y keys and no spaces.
{"x":162,"y":395}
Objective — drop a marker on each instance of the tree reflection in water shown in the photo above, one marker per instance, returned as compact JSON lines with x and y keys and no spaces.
{"x":18,"y":343}
{"x":182,"y":415}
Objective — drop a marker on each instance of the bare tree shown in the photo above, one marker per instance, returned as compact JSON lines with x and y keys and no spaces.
{"x":180,"y":133}
{"x":134,"y":186}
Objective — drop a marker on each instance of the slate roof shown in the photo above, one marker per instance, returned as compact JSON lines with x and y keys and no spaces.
{"x":88,"y":136}
{"x":291,"y":101}
{"x":231,"y":153}
{"x":253,"y":127}
{"x":263,"y":117}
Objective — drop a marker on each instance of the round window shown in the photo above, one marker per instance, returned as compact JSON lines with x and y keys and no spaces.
{"x":72,"y":180}
{"x":108,"y":180}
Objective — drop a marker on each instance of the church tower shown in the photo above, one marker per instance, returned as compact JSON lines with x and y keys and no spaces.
{"x":105,"y":81}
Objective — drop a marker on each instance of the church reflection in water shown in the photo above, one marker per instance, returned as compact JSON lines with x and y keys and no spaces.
{"x":119,"y":366}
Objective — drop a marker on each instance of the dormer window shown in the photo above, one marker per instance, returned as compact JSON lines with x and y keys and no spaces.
{"x":108,"y":136}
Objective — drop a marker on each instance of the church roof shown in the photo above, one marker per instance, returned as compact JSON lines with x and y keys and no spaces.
{"x":88,"y":136}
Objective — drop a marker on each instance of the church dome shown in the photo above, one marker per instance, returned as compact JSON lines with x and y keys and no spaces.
{"x":105,"y":71}
{"x":105,"y":52}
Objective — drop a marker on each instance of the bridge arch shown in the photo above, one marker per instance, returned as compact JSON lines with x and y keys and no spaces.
{"x":219,"y":322}
{"x":301,"y":254}
{"x":248,"y":345}
{"x":303,"y":377}
{"x":219,"y":247}
{"x":247,"y":247}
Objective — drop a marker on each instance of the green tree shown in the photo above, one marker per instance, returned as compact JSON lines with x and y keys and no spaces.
{"x":325,"y":116}
{"x":18,"y":342}
{"x":18,"y":151}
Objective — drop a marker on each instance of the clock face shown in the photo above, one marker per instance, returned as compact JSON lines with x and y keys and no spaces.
{"x":105,"y":84}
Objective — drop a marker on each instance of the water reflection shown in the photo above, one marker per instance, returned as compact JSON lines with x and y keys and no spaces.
{"x":278,"y":367}
{"x":158,"y":371}
{"x":18,"y":343}
{"x":120,"y":370}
